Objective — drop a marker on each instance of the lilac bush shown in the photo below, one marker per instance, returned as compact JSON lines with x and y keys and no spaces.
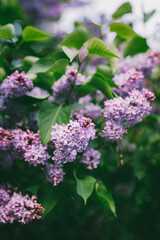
{"x":77,"y":123}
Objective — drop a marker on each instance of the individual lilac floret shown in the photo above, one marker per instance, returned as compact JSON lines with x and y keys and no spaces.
{"x":71,"y":138}
{"x":91,"y":158}
{"x":123,"y":113}
{"x":62,"y":87}
{"x":17,"y":208}
{"x":15,"y":85}
{"x":128,"y":81}
{"x":54,"y":173}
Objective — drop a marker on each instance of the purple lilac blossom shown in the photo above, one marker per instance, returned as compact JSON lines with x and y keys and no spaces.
{"x":113,"y":131}
{"x":54,"y":173}
{"x":128,"y":81}
{"x":123,"y":113}
{"x":5,"y":139}
{"x":71,"y":138}
{"x":144,"y":62}
{"x":36,"y":154}
{"x":29,"y":144}
{"x":17,"y":208}
{"x":91,"y":157}
{"x":21,"y":144}
{"x":68,"y":140}
{"x":15,"y":85}
{"x":62,"y":86}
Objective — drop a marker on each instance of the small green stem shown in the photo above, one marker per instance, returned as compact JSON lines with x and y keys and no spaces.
{"x":72,"y":85}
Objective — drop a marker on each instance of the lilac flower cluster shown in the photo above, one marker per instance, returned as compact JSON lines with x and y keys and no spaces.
{"x":62,"y":87}
{"x":17,"y":208}
{"x":29,"y":144}
{"x":18,"y":144}
{"x":128,"y":81}
{"x":15,"y":85}
{"x":142,"y":62}
{"x":123,"y":113}
{"x":91,"y":157}
{"x":54,"y":173}
{"x":68,"y":140}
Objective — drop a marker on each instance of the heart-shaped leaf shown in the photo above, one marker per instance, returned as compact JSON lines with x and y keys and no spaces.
{"x":77,"y":38}
{"x":123,"y":30}
{"x":33,"y":34}
{"x":48,"y":115}
{"x":7,"y":31}
{"x":100,"y":48}
{"x":105,"y":197}
{"x":71,"y":54}
{"x":123,"y":9}
{"x":85,"y":186}
{"x":134,"y":46}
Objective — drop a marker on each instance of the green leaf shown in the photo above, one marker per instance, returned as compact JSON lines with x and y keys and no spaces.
{"x":109,"y":80}
{"x":85,"y":187}
{"x":41,"y":66}
{"x":2,"y":74}
{"x":33,"y":34}
{"x":71,"y":54}
{"x":7,"y":31}
{"x":99,"y":83}
{"x":85,"y":89}
{"x":105,"y":70}
{"x":105,"y":197}
{"x":48,"y":196}
{"x":29,"y":99}
{"x":77,"y":38}
{"x":100,"y":48}
{"x":135,"y":46}
{"x":48,"y":115}
{"x":147,"y":16}
{"x":123,"y":30}
{"x":33,"y":189}
{"x":59,"y":66}
{"x":123,"y":9}
{"x":28,"y":62}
